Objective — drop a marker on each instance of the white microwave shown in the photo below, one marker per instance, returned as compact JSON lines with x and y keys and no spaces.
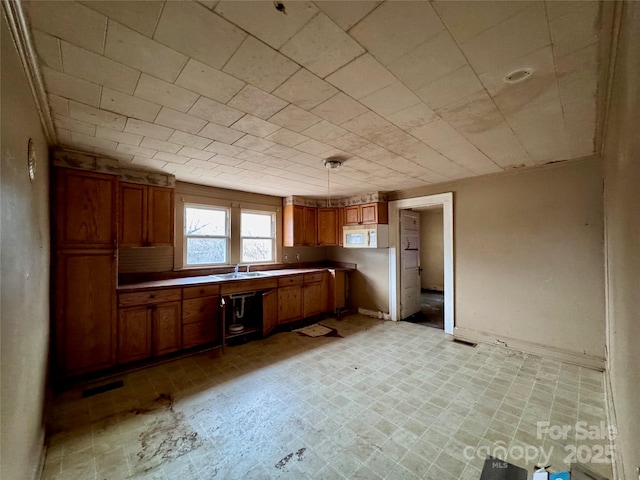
{"x":373,"y":236}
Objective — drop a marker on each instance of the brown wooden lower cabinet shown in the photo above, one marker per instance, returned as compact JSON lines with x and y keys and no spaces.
{"x":146,"y":331}
{"x":269,"y":311}
{"x":85,"y":311}
{"x":134,"y":334}
{"x":289,"y":303}
{"x":312,"y":299}
{"x":167,"y":331}
{"x":200,"y":321}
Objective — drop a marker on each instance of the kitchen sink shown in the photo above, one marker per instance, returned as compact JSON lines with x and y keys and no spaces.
{"x":232,"y":275}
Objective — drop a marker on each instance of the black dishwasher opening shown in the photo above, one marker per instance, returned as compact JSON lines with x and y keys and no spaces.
{"x":242,"y":317}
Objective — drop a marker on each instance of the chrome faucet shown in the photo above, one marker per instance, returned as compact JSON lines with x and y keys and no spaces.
{"x":237,"y":268}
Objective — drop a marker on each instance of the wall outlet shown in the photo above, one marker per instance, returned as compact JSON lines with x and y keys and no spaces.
{"x":286,"y":256}
{"x":298,"y":256}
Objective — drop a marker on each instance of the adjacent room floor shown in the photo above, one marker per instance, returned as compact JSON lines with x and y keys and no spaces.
{"x":388,"y":400}
{"x":431,"y":312}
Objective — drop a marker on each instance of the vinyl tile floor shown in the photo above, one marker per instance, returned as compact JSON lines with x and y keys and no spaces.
{"x":388,"y":400}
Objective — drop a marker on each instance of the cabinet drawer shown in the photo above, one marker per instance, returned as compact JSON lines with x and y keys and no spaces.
{"x":201,"y":291}
{"x":312,"y":277}
{"x":199,"y":333}
{"x":290,"y":280}
{"x":238,"y":286}
{"x":200,"y":309}
{"x":152,"y":296}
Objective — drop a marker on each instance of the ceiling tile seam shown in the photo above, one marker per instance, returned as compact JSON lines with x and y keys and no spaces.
{"x":157,"y":22}
{"x":401,"y":82}
{"x":485,"y":90}
{"x":486,"y":29}
{"x":299,"y":30}
{"x":359,"y":21}
{"x":555,"y":69}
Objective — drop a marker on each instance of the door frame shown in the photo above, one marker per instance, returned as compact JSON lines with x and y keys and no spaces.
{"x":446,"y":201}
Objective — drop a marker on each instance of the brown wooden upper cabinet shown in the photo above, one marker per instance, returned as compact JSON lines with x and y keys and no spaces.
{"x":146,"y":215}
{"x":300,"y":225}
{"x":85,"y":209}
{"x":367,"y":214}
{"x":328,"y":227}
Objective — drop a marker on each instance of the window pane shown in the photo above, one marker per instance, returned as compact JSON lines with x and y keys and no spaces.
{"x":256,"y":225}
{"x":206,"y":250}
{"x":256,"y":250}
{"x":205,"y":221}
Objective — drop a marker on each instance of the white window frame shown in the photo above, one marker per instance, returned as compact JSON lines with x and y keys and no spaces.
{"x":274,"y":253}
{"x":227,"y":235}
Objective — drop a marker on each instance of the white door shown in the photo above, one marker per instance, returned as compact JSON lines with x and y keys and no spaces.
{"x":409,"y":263}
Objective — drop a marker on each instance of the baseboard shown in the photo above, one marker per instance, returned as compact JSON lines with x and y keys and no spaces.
{"x":38,"y":467}
{"x":618,"y":469}
{"x":589,"y":361}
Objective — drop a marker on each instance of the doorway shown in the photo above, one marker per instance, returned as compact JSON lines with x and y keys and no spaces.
{"x":444,"y":201}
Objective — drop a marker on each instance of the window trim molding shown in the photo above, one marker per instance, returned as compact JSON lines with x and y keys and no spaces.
{"x":273,"y":237}
{"x":227,"y":236}
{"x":235,"y":201}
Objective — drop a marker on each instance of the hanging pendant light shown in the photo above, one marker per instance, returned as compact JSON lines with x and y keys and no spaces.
{"x":331,"y":163}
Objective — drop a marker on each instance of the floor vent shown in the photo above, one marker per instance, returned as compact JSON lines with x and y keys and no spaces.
{"x":464,"y":342}
{"x":90,"y":392}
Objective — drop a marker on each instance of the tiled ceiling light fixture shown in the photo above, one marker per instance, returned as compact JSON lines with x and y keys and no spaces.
{"x":518,"y":75}
{"x":332,"y":163}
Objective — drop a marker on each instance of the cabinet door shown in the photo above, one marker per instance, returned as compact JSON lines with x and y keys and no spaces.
{"x":289,"y":303}
{"x":369,"y":214}
{"x":160,"y":216}
{"x":341,"y":224}
{"x":325,"y":292}
{"x":310,"y":226}
{"x":200,"y":333}
{"x":200,"y":310}
{"x":328,"y":226}
{"x":312,"y":299}
{"x":167,"y":328}
{"x":269,"y":311}
{"x":85,"y":209}
{"x":352,"y":215}
{"x":134,"y":333}
{"x":298,"y":225}
{"x":85,"y":311}
{"x":133,"y":214}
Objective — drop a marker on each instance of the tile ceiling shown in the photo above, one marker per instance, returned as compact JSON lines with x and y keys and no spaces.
{"x":240,"y":95}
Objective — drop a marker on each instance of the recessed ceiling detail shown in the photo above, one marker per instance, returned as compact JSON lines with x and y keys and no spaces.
{"x":248,"y":96}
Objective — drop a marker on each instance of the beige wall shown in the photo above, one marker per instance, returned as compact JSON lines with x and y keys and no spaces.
{"x":369,"y":284}
{"x":622,"y":199}
{"x":431,"y":250}
{"x":24,"y":315}
{"x":307,"y":254}
{"x":528,"y":249}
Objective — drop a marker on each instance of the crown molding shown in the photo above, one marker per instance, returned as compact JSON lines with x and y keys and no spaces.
{"x":21,"y":36}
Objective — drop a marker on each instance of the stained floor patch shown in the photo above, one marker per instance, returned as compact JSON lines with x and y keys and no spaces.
{"x":167,"y":438}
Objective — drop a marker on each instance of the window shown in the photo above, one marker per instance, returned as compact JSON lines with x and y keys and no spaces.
{"x":206,"y":235}
{"x":257,"y":232}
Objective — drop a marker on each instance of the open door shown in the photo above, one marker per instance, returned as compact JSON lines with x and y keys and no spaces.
{"x":269,"y":311}
{"x":409,"y":263}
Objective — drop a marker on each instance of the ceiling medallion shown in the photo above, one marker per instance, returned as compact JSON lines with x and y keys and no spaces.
{"x":518,"y":75}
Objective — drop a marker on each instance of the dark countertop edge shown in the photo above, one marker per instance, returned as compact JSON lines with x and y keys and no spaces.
{"x":211,"y":280}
